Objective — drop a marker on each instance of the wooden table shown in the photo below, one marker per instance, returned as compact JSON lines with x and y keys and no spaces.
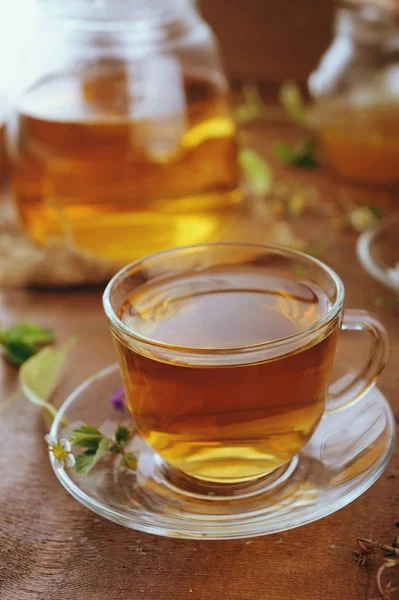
{"x":52,"y":548}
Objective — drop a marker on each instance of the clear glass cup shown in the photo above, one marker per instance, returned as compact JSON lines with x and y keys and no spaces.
{"x":122,"y":140}
{"x":223,"y":416}
{"x":356,"y":92}
{"x":378,"y":251}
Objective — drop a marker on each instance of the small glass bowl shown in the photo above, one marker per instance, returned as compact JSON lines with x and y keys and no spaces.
{"x":378,"y":251}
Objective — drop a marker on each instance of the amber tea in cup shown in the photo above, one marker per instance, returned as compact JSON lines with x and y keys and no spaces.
{"x":226,"y":353}
{"x":234,"y":422}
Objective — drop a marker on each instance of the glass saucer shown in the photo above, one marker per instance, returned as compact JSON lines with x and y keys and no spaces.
{"x":346,"y":454}
{"x":378,"y":251}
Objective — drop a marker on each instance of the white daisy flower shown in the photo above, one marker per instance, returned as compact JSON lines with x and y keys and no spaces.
{"x":61,"y":451}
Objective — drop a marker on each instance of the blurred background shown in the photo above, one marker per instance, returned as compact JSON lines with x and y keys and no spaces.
{"x":123,"y":136}
{"x":270,"y":40}
{"x":260,"y":38}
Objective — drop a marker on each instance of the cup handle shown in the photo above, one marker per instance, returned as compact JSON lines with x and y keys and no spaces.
{"x":348,"y":393}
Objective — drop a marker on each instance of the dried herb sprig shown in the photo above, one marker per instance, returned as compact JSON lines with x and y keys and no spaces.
{"x":367,"y":549}
{"x":390,"y":559}
{"x":95,"y":445}
{"x":292,"y":106}
{"x":37,"y":377}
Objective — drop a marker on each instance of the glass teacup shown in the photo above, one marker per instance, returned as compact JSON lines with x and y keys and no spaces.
{"x":226,"y":352}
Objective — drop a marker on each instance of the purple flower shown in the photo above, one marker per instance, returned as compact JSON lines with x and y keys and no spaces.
{"x":118,"y":400}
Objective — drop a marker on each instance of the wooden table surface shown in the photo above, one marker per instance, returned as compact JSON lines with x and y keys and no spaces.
{"x":52,"y":548}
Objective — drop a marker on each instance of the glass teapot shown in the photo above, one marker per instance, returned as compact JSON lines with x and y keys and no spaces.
{"x":356,"y":93}
{"x":122,"y":138}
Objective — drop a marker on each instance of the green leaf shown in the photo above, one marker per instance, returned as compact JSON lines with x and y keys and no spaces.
{"x":122,"y":436}
{"x":301,"y":156}
{"x":86,"y":437}
{"x":17,"y":352}
{"x":23,"y":340}
{"x":83,"y":462}
{"x":292,"y":101}
{"x":256,"y":171}
{"x":129,"y":460}
{"x":32,"y":334}
{"x":39,"y":375}
{"x":86,"y":461}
